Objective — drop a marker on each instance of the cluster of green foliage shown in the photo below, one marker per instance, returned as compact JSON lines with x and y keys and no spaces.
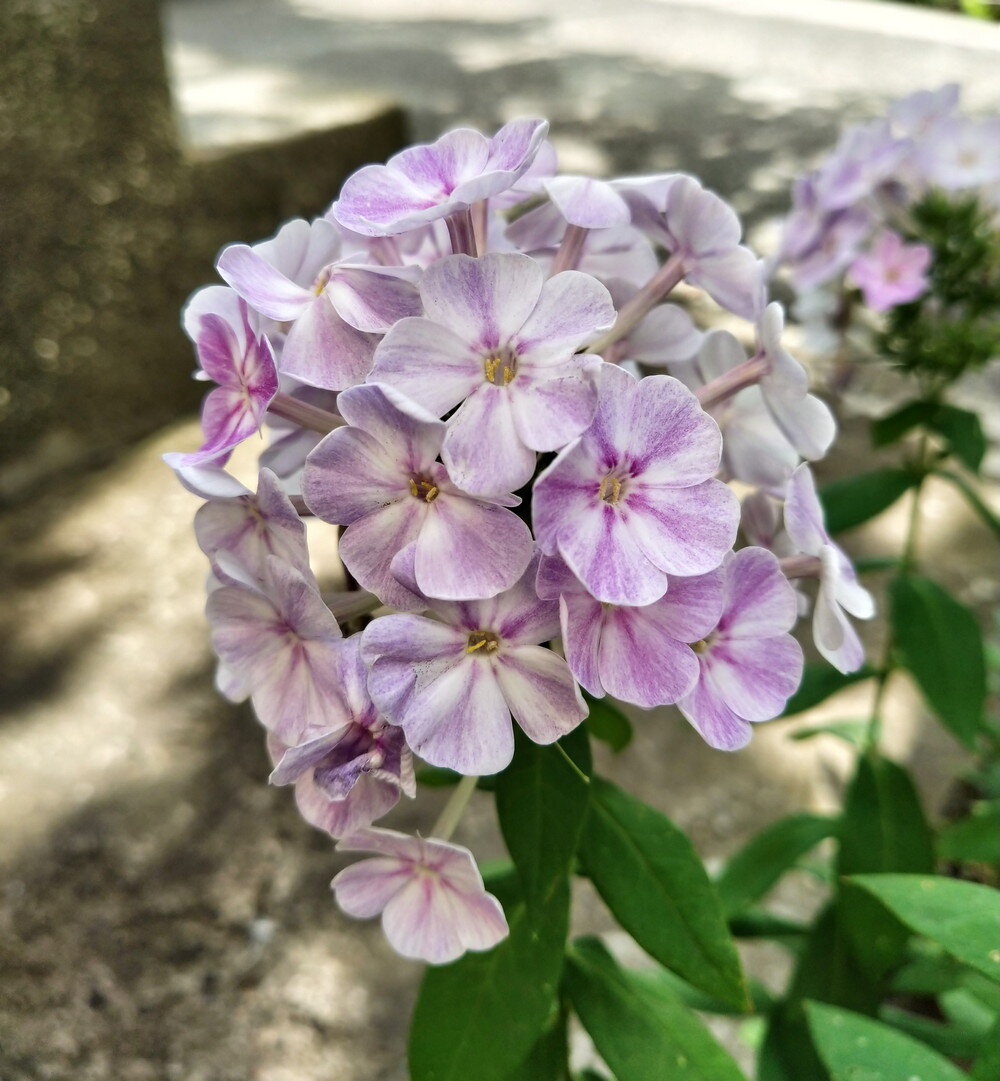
{"x":898,"y":976}
{"x":979,"y":9}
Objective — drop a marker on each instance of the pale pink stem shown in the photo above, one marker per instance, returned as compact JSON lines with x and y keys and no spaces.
{"x":303,"y":414}
{"x":634,"y":310}
{"x":358,"y":602}
{"x":480,"y":222}
{"x":743,"y":375}
{"x":570,"y":250}
{"x":462,"y":232}
{"x":801,"y":566}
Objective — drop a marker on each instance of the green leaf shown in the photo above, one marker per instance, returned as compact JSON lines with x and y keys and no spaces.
{"x":757,"y":923}
{"x":752,"y":871}
{"x":481,"y":1015}
{"x":651,"y":878}
{"x":819,"y":681}
{"x":856,"y":1048}
{"x":951,"y":1040}
{"x":941,"y":646}
{"x":963,"y":432}
{"x":642,"y":1030}
{"x":438,"y":777}
{"x":987,"y":1065}
{"x":853,"y":732}
{"x":973,"y":498}
{"x":542,"y":802}
{"x":882,"y":828}
{"x":888,"y":429}
{"x":607,"y":723}
{"x":548,"y":1060}
{"x":975,"y":839}
{"x":961,"y":917}
{"x":849,"y":502}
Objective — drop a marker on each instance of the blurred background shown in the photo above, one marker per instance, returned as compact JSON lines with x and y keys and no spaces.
{"x":163,"y":913}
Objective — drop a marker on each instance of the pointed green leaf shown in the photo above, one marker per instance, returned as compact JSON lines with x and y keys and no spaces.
{"x":963,"y":432}
{"x":886,"y":430}
{"x":481,"y":1015}
{"x":856,"y":1048}
{"x":974,"y":839}
{"x":987,"y":1065}
{"x":961,"y":917}
{"x":853,"y":732}
{"x":542,"y":802}
{"x":975,"y":501}
{"x":651,"y":878}
{"x":752,"y":871}
{"x":607,"y":723}
{"x":819,"y":681}
{"x":548,"y":1060}
{"x":941,"y":645}
{"x":642,"y":1030}
{"x":849,"y":502}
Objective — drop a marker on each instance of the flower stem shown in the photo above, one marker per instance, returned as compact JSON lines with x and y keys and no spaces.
{"x":350,"y":605}
{"x":462,"y":232}
{"x":736,"y":379}
{"x":454,"y":809}
{"x":304,"y":414}
{"x":634,"y":310}
{"x":570,"y":250}
{"x":801,"y":566}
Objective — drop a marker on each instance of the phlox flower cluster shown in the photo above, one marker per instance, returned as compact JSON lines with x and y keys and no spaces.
{"x":851,"y":223}
{"x":470,"y":367}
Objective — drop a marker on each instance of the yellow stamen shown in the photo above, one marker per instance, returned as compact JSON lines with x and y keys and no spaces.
{"x":482,"y":640}
{"x":413,"y":488}
{"x":615,"y":486}
{"x":508,"y":374}
{"x":701,"y":646}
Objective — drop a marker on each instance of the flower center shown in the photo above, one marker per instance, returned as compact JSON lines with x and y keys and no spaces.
{"x":612,"y":489}
{"x":482,"y":642}
{"x":423,"y":488}
{"x":500,"y":367}
{"x":322,"y":281}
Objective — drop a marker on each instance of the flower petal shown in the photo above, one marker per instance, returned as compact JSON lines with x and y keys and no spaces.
{"x":540,"y":691}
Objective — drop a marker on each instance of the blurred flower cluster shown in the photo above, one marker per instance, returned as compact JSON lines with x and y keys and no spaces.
{"x":470,"y":366}
{"x":902,"y":219}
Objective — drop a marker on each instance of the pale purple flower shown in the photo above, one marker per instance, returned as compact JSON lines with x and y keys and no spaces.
{"x":837,"y":242}
{"x":430,"y":893}
{"x":749,"y":665}
{"x":804,"y":420}
{"x":891,"y":272}
{"x":634,"y":498}
{"x":427,"y":182}
{"x":250,"y":527}
{"x":865,"y":156}
{"x":351,"y":774}
{"x":754,"y":449}
{"x":962,"y":152}
{"x":241,"y":362}
{"x":499,"y":341}
{"x":380,"y":477}
{"x":452,"y":684}
{"x":336,"y":309}
{"x":277,"y":637}
{"x":839,"y":588}
{"x":703,"y":232}
{"x":639,"y":655}
{"x":917,"y":113}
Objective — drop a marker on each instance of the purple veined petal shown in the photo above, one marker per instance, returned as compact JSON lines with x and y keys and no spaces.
{"x":640,"y":662}
{"x":702,"y":222}
{"x":685,"y":531}
{"x":540,"y":691}
{"x":786,"y":375}
{"x":519,"y":615}
{"x":366,"y":887}
{"x":218,"y":300}
{"x":754,"y":449}
{"x":759,"y":601}
{"x":849,"y":593}
{"x":572,"y":308}
{"x":427,"y":363}
{"x":717,"y":724}
{"x":263,"y":287}
{"x":803,"y":513}
{"x":482,"y":451}
{"x":227,"y":418}
{"x":301,"y":249}
{"x":691,"y":608}
{"x":622,"y":252}
{"x":720,"y":353}
{"x":833,"y":634}
{"x":612,"y":425}
{"x":582,"y":620}
{"x":602,"y":552}
{"x":367,"y":802}
{"x":755,"y":677}
{"x":219,"y":351}
{"x":207,"y":481}
{"x":552,"y":412}
{"x":589,"y":203}
{"x":667,"y":335}
{"x":732,"y":279}
{"x":368,"y":546}
{"x":381,"y":201}
{"x":540,"y":228}
{"x":760,"y":519}
{"x":518,"y":145}
{"x":350,"y":474}
{"x":554,"y":578}
{"x":297,"y":760}
{"x":672,"y":440}
{"x":234,"y":685}
{"x":324,"y":351}
{"x":372,"y":299}
{"x":487,"y":549}
{"x":392,"y":418}
{"x":482,"y":301}
{"x":439,"y":167}
{"x":566,"y":491}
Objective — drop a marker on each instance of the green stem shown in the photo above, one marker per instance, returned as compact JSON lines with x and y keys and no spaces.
{"x":454,"y":809}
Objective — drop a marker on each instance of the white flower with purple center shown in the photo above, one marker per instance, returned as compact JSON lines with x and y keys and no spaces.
{"x":453,"y":683}
{"x":635,"y":498}
{"x":277,"y":637}
{"x":749,"y":665}
{"x":499,"y":341}
{"x":380,"y":477}
{"x":839,"y":588}
{"x":430,"y":894}
{"x":639,"y":655}
{"x":891,"y":272}
{"x":351,"y":775}
{"x":424,"y":183}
